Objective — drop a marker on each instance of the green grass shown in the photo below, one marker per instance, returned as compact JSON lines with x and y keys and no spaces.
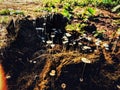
{"x":68,"y":6}
{"x":11,"y":12}
{"x":83,"y":2}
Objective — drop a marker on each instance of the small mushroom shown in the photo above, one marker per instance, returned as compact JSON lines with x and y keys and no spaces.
{"x":86,"y":47}
{"x":105,"y":45}
{"x":63,"y":86}
{"x":64,"y":44}
{"x":85,"y":61}
{"x":84,"y":35}
{"x":52,"y":74}
{"x":68,"y":34}
{"x":39,"y":28}
{"x":89,"y":38}
{"x":52,"y":45}
{"x":65,"y":38}
{"x":52,"y":36}
{"x":44,"y":24}
{"x":49,"y":42}
{"x":8,"y":76}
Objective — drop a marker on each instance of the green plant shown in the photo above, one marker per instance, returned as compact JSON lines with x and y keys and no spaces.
{"x":91,"y":11}
{"x":5,"y":12}
{"x":38,"y":10}
{"x":70,"y":27}
{"x":67,"y":6}
{"x":16,"y":12}
{"x":66,"y":13}
{"x":47,"y":9}
{"x":11,"y":12}
{"x":76,"y":27}
{"x":4,"y":19}
{"x":111,"y":3}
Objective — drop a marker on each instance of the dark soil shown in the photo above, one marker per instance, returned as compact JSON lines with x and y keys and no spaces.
{"x":29,"y":60}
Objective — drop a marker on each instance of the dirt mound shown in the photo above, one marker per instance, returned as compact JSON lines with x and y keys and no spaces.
{"x":41,"y":54}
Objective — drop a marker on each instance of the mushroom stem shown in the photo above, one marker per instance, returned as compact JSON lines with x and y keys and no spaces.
{"x":83,"y":72}
{"x":52,"y":83}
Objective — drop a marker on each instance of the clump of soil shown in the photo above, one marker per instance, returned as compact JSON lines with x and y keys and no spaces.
{"x":36,"y":57}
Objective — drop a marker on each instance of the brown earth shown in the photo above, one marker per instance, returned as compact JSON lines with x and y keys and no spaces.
{"x":28,"y":61}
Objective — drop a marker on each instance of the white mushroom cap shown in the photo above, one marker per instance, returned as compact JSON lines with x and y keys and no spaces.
{"x":89,"y":38}
{"x":53,"y":29}
{"x":63,"y":85}
{"x":86,"y":47}
{"x":84,"y":35}
{"x":74,"y":43}
{"x":34,"y":62}
{"x":39,"y":28}
{"x":98,"y":42}
{"x":80,"y":43}
{"x":81,"y":79}
{"x":65,"y":38}
{"x":85,"y":60}
{"x":44,"y":24}
{"x":68,"y":34}
{"x":52,"y":45}
{"x":49,"y":42}
{"x":52,"y":35}
{"x":105,"y":45}
{"x":52,"y":73}
{"x":8,"y":76}
{"x":64,"y":42}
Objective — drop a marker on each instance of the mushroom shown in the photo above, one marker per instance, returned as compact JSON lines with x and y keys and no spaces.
{"x":65,"y":38}
{"x":63,"y":86}
{"x":52,"y":45}
{"x":98,"y":43}
{"x":49,"y":42}
{"x":52,"y":74}
{"x":85,"y":61}
{"x":86,"y":47}
{"x":64,"y":44}
{"x":68,"y":34}
{"x":89,"y":38}
{"x":52,"y":36}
